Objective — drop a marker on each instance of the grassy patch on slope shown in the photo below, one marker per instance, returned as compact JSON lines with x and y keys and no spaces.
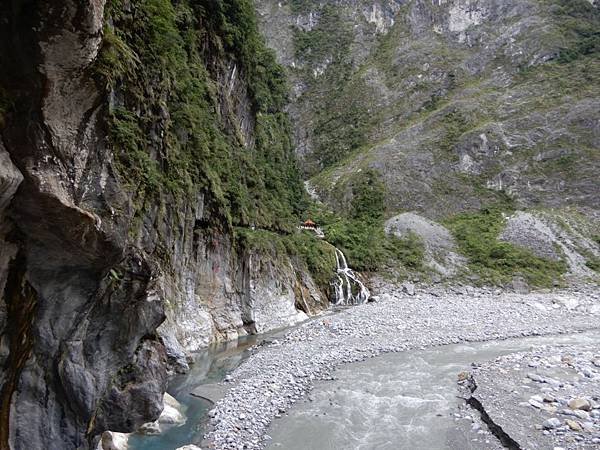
{"x":579,"y":23}
{"x":495,"y":261}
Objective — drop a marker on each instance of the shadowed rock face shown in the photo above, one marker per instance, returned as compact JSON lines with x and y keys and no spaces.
{"x":84,"y":287}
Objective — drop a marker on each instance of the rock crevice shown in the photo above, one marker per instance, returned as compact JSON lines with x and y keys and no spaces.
{"x":495,"y":429}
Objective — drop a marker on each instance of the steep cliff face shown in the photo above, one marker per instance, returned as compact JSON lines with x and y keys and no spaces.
{"x":450,"y":101}
{"x":135,"y":142}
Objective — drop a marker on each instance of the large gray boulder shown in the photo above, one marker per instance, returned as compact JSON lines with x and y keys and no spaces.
{"x":440,"y":249}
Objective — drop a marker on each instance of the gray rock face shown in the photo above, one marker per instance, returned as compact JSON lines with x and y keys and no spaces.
{"x":97,"y":304}
{"x":113,"y":441}
{"x":556,"y":235}
{"x":220,"y":294}
{"x":525,"y":230}
{"x":455,"y":97}
{"x":441,"y":254}
{"x":366,"y":20}
{"x":79,"y":339}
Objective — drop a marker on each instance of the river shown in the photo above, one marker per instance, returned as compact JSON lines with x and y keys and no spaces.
{"x":209,"y":366}
{"x":398,"y":400}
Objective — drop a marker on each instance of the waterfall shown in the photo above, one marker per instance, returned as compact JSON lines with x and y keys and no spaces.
{"x":345,"y":279}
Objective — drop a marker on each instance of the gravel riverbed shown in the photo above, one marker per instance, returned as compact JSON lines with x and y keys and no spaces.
{"x":280,"y":372}
{"x":547,"y":398}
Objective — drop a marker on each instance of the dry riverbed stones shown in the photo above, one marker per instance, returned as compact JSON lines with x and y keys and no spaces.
{"x":548,"y":398}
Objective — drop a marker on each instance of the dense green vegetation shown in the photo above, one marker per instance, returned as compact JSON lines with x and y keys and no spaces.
{"x":494,"y":261}
{"x":593,"y":263}
{"x":580,"y":26}
{"x":166,"y":61}
{"x":317,"y":255}
{"x":174,"y":131}
{"x":360,"y":233}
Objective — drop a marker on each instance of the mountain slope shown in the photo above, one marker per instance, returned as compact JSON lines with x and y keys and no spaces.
{"x":445,"y":99}
{"x":455,"y":105}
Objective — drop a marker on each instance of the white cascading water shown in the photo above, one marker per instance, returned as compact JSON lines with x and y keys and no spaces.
{"x":345,"y":278}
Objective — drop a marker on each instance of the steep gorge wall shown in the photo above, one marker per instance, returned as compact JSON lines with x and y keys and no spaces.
{"x":456,"y":112}
{"x":109,"y":275}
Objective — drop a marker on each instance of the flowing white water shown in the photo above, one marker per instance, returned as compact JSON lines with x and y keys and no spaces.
{"x":347,"y":288}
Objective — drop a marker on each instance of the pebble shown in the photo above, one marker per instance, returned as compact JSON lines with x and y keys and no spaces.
{"x":535,"y":377}
{"x":551,"y":423}
{"x":573,"y":425}
{"x":579,"y":403}
{"x":536,"y":403}
{"x":581,"y":414}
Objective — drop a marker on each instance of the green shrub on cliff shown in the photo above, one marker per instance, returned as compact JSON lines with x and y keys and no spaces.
{"x":593,"y":263}
{"x":317,"y":255}
{"x":580,"y":26}
{"x":178,"y":122}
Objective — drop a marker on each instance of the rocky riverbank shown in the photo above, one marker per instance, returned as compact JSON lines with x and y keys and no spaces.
{"x":283,"y":370}
{"x":545,"y":398}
